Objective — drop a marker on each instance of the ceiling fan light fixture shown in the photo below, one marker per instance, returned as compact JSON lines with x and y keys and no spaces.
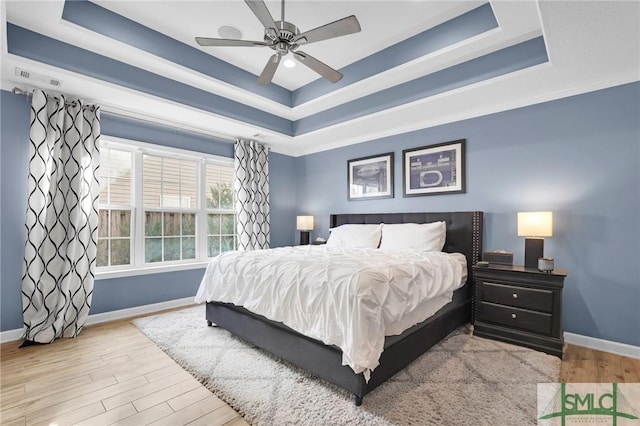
{"x":289,"y":63}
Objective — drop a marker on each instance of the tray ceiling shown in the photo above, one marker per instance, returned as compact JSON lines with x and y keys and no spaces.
{"x":415,"y":64}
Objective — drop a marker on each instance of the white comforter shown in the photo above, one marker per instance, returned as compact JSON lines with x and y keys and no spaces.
{"x":351,"y":298}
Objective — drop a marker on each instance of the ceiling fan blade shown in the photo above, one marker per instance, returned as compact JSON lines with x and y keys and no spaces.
{"x":206,"y":41}
{"x":262,"y":13}
{"x":321,"y":68}
{"x":341,"y":27}
{"x":269,"y":70}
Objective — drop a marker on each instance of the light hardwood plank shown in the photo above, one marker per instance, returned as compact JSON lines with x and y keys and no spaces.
{"x":40,"y":390}
{"x":238,"y":421}
{"x":68,"y":378}
{"x":110,"y":417}
{"x":96,"y":395}
{"x":147,"y":389}
{"x":37,"y":387}
{"x":11,"y":392}
{"x":166,"y":394}
{"x":191,"y":413}
{"x":163,"y":372}
{"x":220,"y":416}
{"x":188,"y":398}
{"x":71,"y":417}
{"x":20,"y":421}
{"x":149,"y":416}
{"x":584,"y":365}
{"x":40,"y":405}
{"x":145,"y":366}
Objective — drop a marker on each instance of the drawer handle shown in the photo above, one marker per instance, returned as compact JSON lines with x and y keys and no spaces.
{"x":514,"y":316}
{"x":515,"y":295}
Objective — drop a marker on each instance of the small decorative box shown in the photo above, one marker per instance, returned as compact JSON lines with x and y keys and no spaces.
{"x":498,"y":256}
{"x":545,"y":264}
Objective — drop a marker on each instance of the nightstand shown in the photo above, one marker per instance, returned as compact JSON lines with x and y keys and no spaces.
{"x":520,"y":305}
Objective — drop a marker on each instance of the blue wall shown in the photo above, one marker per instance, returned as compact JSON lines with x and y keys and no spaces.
{"x":117,"y":293}
{"x":14,"y":149}
{"x":578,"y":157}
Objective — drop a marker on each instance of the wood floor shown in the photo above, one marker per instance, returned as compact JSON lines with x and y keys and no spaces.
{"x":110,"y":374}
{"x":113,"y":374}
{"x":583,"y":365}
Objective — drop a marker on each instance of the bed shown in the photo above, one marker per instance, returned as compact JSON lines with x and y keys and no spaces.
{"x":463,"y":235}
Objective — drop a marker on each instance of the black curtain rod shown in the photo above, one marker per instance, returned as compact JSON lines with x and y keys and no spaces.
{"x":29,"y":94}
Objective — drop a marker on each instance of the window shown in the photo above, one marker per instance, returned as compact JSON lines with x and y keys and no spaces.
{"x":170,"y":193}
{"x":162,"y":206}
{"x":114,"y":223}
{"x":221,"y":218}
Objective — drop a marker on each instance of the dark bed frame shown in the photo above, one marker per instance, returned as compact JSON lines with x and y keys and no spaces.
{"x":464,"y":235}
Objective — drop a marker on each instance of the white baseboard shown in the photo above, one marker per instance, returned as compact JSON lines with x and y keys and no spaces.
{"x":11,"y":335}
{"x":571,"y":338}
{"x":138,"y":310}
{"x":603,"y":345}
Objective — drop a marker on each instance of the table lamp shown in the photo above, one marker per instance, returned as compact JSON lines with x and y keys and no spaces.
{"x":304,"y":225}
{"x":534,"y":226}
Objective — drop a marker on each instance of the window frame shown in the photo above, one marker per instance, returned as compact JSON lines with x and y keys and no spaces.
{"x":219,"y":211}
{"x":110,"y":207}
{"x":138,"y":265}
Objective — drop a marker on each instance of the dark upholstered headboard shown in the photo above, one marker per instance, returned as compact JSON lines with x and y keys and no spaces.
{"x":464,"y":229}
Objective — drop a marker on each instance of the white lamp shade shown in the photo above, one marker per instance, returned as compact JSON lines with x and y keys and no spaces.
{"x":535,"y":224}
{"x":304,"y":223}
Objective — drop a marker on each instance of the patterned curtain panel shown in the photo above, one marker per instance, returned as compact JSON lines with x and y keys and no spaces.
{"x":252,"y":195}
{"x":62,"y":217}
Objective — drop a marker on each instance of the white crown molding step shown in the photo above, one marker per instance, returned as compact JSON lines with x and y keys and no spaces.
{"x":571,"y":338}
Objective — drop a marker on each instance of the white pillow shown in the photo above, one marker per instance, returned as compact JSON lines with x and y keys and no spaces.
{"x":425,"y":236}
{"x":355,"y":236}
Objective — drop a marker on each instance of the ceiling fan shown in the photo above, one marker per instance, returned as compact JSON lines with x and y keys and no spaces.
{"x":284,"y":37}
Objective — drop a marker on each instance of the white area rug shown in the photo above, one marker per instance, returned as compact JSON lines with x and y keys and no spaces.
{"x":463,"y":380}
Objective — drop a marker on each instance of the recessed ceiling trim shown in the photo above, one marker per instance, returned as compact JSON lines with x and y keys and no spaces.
{"x":510,"y":59}
{"x":29,"y":44}
{"x":100,"y":20}
{"x":38,"y":47}
{"x":594,"y":45}
{"x":453,"y":31}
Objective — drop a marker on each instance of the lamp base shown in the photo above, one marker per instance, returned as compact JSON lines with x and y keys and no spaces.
{"x":304,"y":239}
{"x":533,"y":250}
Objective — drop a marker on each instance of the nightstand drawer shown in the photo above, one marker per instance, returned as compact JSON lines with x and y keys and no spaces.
{"x":536,"y":322}
{"x":520,"y":297}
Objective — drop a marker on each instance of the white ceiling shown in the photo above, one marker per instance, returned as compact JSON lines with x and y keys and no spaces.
{"x":182,"y":20}
{"x":591,"y":45}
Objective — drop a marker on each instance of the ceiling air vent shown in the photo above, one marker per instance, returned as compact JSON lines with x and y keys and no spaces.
{"x":40,"y":78}
{"x":22,"y":73}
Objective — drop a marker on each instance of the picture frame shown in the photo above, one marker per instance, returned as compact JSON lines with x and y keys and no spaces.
{"x":434,"y":169}
{"x":370,"y":178}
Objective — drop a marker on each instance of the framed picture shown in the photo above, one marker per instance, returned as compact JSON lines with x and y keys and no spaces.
{"x":434,"y":169}
{"x":370,"y":177}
